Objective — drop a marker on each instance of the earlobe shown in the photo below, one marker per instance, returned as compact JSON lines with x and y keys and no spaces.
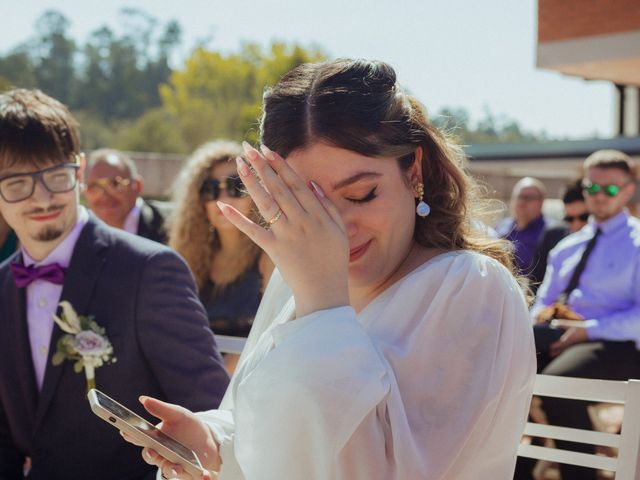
{"x":82,"y":161}
{"x":138,"y":184}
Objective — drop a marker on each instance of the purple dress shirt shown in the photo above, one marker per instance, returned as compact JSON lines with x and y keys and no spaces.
{"x":525,"y":241}
{"x":608,"y":294}
{"x":43,"y":297}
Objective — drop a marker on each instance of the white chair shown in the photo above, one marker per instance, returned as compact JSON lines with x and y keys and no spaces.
{"x":228,"y":344}
{"x":627,"y":442}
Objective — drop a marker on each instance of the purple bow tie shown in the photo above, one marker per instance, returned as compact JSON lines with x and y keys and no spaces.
{"x":23,"y":275}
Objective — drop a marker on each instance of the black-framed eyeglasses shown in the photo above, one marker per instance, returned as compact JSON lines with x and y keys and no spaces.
{"x":57,"y":179}
{"x":118,"y":184}
{"x":583,"y":217}
{"x":595,"y":188}
{"x":212,"y":187}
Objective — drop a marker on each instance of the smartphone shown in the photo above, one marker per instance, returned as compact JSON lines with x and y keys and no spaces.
{"x":147,"y":434}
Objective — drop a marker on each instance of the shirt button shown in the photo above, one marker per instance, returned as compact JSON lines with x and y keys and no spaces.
{"x":42,"y":302}
{"x":43,"y":350}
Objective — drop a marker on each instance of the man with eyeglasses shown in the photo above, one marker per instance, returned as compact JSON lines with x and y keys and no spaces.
{"x":526,"y":226}
{"x":140,"y":292}
{"x":575,"y":217}
{"x":593,"y":275}
{"x":113,"y":192}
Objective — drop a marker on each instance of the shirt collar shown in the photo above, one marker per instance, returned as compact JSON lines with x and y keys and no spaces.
{"x":62,"y":253}
{"x":612,"y":224}
{"x":132,"y":220}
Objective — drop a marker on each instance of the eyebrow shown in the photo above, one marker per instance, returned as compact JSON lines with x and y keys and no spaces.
{"x":355,"y":178}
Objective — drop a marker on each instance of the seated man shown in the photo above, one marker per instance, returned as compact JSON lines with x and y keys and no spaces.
{"x":525,"y":228}
{"x":594,"y":275}
{"x":139,"y":293}
{"x":575,"y":217}
{"x":113,"y":188}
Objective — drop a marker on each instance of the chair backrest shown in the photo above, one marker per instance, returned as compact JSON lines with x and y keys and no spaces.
{"x":228,"y":344}
{"x":627,"y":442}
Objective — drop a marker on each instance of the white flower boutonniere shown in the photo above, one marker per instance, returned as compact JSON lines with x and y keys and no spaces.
{"x":86,"y":343}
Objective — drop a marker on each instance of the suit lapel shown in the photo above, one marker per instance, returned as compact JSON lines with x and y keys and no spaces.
{"x":89,"y":255}
{"x":145,"y":222}
{"x":14,"y":325}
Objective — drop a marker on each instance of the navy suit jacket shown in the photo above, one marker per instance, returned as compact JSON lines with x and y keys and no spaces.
{"x":151,"y":222}
{"x":143,"y":294}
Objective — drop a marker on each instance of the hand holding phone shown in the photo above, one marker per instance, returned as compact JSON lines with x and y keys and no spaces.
{"x":179,"y":426}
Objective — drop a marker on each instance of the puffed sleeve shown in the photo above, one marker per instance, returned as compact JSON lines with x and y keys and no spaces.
{"x":304,"y":400}
{"x":431,"y":380}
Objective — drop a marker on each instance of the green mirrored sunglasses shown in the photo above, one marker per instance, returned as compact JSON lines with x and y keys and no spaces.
{"x":608,"y":190}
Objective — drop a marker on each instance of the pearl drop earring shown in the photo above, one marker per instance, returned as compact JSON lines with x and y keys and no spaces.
{"x":423,"y":209}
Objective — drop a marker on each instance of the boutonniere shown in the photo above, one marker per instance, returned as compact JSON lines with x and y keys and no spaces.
{"x":85,"y":343}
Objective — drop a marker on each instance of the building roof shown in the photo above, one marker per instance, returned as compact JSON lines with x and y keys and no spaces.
{"x":551,"y":150}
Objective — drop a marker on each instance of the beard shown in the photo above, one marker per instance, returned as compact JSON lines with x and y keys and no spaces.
{"x":48,"y":234}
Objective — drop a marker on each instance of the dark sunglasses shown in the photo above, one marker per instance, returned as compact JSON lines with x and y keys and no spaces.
{"x":608,"y":190}
{"x":583,"y":217}
{"x":212,"y":187}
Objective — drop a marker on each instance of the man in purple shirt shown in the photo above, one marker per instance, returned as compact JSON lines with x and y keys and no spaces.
{"x":139,"y":291}
{"x":526,"y":226}
{"x":607,"y":294}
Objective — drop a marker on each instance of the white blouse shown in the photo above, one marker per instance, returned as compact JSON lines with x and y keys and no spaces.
{"x":432,"y":380}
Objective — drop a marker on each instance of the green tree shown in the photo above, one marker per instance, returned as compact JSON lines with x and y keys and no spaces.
{"x":53,"y":56}
{"x":95,"y":132}
{"x":155,"y":131}
{"x":491,"y":128}
{"x":122,"y":73}
{"x":219,"y":96}
{"x":17,"y":69}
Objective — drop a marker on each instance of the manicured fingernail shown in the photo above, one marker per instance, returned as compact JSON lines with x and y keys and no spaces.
{"x":317,"y":188}
{"x":221,"y":205}
{"x":142,"y":398}
{"x":174,"y":472}
{"x":249,"y":150}
{"x":242,"y":167}
{"x":268,"y":153}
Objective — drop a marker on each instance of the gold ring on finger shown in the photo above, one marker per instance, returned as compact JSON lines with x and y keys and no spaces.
{"x":275,"y":218}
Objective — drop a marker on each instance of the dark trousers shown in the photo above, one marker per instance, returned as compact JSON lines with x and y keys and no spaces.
{"x":603,"y":360}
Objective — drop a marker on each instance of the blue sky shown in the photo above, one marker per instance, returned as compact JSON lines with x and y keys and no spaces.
{"x":460,"y":53}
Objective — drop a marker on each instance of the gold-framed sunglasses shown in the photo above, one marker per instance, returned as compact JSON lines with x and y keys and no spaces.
{"x":117,"y":184}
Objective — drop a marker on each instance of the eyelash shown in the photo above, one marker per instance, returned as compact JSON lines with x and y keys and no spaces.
{"x":367,"y":198}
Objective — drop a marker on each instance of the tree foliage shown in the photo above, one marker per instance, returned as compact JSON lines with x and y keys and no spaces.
{"x":491,"y":128}
{"x":121,"y":87}
{"x":219,"y":95}
{"x":155,"y":131}
{"x":110,"y":80}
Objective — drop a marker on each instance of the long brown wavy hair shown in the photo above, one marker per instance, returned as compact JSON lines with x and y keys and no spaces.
{"x":359,"y":106}
{"x":190,"y":232}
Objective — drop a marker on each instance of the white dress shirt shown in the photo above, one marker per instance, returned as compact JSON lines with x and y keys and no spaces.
{"x":132,"y":220}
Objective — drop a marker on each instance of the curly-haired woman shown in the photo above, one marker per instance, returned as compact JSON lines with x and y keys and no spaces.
{"x":230,"y":269}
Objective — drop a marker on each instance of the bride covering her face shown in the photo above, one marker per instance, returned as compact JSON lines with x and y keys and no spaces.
{"x":388,"y":345}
